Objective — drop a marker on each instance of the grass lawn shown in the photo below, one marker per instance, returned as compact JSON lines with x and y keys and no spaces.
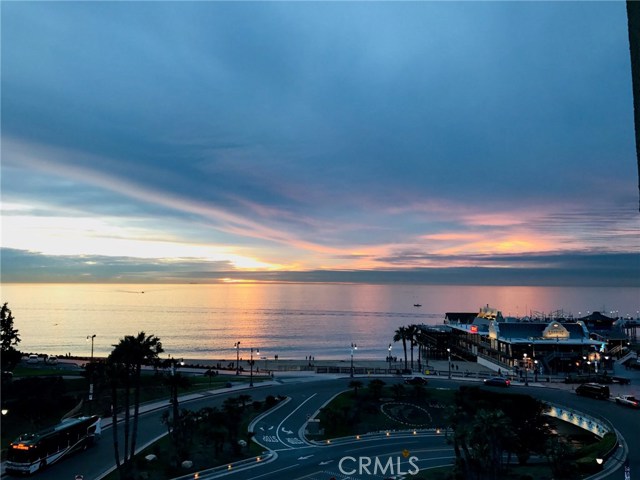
{"x":392,"y":409}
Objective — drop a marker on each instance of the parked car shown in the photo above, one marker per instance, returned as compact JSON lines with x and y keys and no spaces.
{"x":52,"y":360}
{"x":415,"y":381}
{"x":628,"y":400}
{"x":621,"y":380}
{"x":33,"y":359}
{"x":593,"y":390}
{"x":497,"y":382}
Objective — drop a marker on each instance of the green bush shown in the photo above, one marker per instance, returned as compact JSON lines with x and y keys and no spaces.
{"x":586,"y":457}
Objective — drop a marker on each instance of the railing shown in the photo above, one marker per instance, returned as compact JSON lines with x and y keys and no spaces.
{"x":628,"y":356}
{"x":616,"y":349}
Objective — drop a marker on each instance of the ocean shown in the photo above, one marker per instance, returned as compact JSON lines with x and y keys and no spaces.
{"x":292,"y":321}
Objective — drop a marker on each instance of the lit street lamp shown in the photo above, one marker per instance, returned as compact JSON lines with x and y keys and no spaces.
{"x":389,"y":358}
{"x":237,"y":347}
{"x":251,"y":366}
{"x":526,"y":369}
{"x":535,"y":370}
{"x":449,"y":355}
{"x":353,"y":347}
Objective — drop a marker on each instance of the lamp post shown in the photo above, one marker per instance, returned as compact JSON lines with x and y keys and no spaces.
{"x":353,"y":347}
{"x":91,"y":337}
{"x":535,"y":370}
{"x":449,"y":356}
{"x":174,"y":392}
{"x":526,"y":369}
{"x":389,"y":358}
{"x":237,"y":347}
{"x":251,"y":366}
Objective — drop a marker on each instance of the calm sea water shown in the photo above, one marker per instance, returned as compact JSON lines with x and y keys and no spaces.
{"x":291,"y":321}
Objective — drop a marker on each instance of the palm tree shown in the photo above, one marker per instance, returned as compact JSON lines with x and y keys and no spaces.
{"x":355,"y":384}
{"x":420,"y":342}
{"x":126,"y":362}
{"x":375,"y":387}
{"x":412,"y":331}
{"x":175,"y":381}
{"x":490,"y":435}
{"x":401,"y":334}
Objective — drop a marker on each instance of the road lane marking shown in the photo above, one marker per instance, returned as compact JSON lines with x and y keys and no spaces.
{"x":287,"y":417}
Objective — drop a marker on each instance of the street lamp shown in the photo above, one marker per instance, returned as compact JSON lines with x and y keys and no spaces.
{"x":526,"y":369}
{"x":449,"y":355}
{"x":389,"y":358}
{"x":251,"y":366}
{"x":91,"y":337}
{"x":237,"y":347}
{"x":173,"y":362}
{"x":535,"y":370}
{"x":353,"y":347}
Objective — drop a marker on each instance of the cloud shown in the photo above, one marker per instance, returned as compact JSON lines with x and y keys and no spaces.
{"x":309,"y":136}
{"x":576,"y":269}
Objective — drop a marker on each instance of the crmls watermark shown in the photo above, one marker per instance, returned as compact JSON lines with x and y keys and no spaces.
{"x":375,"y":466}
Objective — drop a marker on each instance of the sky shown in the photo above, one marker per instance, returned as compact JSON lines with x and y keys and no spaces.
{"x":419,"y":142}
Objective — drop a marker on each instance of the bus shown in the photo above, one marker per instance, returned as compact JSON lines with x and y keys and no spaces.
{"x":33,"y":451}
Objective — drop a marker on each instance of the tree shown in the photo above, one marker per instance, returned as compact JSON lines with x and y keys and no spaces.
{"x":560,"y":455}
{"x":355,"y":384}
{"x":401,"y":334}
{"x":10,"y":338}
{"x":421,"y":341}
{"x":375,"y":387}
{"x":232,"y":419}
{"x":412,"y":332}
{"x":125,"y":366}
{"x":398,"y":390}
{"x":211,"y":427}
{"x":244,"y":399}
{"x":175,"y":381}
{"x":485,"y":423}
{"x":489,"y":438}
{"x":419,"y":391}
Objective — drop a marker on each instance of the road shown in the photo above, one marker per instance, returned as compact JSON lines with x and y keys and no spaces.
{"x":297,"y":458}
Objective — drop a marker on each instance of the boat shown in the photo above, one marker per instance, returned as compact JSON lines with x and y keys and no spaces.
{"x":417,"y":305}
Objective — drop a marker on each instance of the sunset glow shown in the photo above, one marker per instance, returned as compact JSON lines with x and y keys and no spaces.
{"x":243,"y":148}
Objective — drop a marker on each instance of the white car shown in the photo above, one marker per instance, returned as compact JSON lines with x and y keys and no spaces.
{"x":33,"y":359}
{"x":628,"y":400}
